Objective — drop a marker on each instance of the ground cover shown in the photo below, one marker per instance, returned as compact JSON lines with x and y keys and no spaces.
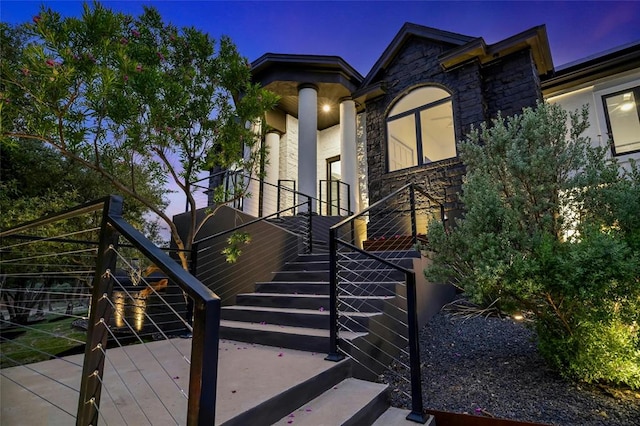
{"x":491,"y":367}
{"x":38,"y":340}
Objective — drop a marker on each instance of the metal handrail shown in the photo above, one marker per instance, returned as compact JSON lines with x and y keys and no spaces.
{"x":417,"y":412}
{"x":204,"y":349}
{"x":339,"y":182}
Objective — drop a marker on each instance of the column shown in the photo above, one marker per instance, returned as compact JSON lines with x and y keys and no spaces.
{"x":271,"y":172}
{"x":308,"y":140}
{"x":348,"y":152}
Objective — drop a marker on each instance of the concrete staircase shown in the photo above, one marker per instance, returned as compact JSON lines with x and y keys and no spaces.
{"x":292,"y":311}
{"x":331,"y":396}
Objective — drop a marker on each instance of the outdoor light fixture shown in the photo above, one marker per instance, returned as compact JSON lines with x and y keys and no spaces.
{"x":326,"y":108}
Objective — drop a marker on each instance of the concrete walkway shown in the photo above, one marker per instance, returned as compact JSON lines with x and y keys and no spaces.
{"x":46,"y":393}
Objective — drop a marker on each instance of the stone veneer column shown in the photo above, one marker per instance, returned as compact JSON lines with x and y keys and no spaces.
{"x":307,"y":140}
{"x":348,"y":151}
{"x":271,"y":170}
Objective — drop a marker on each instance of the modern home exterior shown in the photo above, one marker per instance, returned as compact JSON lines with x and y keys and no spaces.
{"x":402,"y":121}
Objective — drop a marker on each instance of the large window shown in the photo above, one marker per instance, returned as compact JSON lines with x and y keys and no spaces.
{"x":420,"y":129}
{"x":623,"y":120}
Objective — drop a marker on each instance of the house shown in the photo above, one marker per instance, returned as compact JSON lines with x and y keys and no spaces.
{"x":401,"y":122}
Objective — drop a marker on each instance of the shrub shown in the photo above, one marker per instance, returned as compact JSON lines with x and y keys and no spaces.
{"x":551,"y":227}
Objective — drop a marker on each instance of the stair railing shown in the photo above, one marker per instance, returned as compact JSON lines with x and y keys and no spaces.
{"x":341,"y":190}
{"x":85,"y":244}
{"x":364,"y":264}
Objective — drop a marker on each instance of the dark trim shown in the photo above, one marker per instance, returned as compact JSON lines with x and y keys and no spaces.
{"x":307,"y":86}
{"x":416,"y":112}
{"x":611,"y":62}
{"x":307,"y":61}
{"x":612,"y":143}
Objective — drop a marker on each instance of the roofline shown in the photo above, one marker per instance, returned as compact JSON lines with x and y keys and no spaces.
{"x":408,"y":30}
{"x":603,"y":64}
{"x":321,"y":61}
{"x":534,"y":38}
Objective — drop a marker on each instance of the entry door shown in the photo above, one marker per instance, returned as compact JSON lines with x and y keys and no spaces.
{"x":333,"y":186}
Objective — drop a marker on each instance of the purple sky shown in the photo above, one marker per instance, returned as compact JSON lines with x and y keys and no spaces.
{"x":359,"y":31}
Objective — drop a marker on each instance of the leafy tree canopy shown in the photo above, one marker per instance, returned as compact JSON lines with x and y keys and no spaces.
{"x":134,"y":99}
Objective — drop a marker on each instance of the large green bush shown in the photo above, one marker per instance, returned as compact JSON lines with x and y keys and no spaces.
{"x":551,"y":227}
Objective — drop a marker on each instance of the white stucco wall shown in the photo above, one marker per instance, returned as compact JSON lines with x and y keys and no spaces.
{"x":591,"y":95}
{"x":328,"y":146}
{"x":289,"y":150}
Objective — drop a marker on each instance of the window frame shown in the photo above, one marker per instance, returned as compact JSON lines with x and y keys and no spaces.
{"x":612,"y":143}
{"x":416,"y":112}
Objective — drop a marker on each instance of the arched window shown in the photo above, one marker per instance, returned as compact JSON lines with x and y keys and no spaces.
{"x":420,"y":129}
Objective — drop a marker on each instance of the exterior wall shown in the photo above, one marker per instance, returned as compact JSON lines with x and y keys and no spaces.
{"x":361,"y":144}
{"x":477,"y":92}
{"x":591,"y":95}
{"x":289,"y":150}
{"x":328,"y":146}
{"x":511,"y":84}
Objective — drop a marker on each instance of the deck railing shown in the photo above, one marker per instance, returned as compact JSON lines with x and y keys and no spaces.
{"x":125,"y":297}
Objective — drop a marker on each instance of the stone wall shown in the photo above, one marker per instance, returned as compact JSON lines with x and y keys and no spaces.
{"x":510,"y":84}
{"x":477,"y":91}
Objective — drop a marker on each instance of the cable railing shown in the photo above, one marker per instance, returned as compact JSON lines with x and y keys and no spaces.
{"x":334,"y":198}
{"x":371,"y":272}
{"x":231,"y":261}
{"x":93,"y":325}
{"x":259,"y":197}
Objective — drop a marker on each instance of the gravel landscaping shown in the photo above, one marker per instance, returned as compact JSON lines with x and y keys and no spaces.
{"x":490,"y":366}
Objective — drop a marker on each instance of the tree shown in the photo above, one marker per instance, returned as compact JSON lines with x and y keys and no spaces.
{"x":128,"y":97}
{"x":551,"y":227}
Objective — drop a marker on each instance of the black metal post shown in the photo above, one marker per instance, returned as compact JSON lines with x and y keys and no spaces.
{"x":309,"y":226}
{"x":203,"y":376}
{"x":99,"y":318}
{"x":278,"y":199}
{"x":193,"y":269}
{"x":320,"y":199}
{"x":417,"y":412}
{"x":349,"y":213}
{"x":412,"y":203}
{"x":333,"y":355}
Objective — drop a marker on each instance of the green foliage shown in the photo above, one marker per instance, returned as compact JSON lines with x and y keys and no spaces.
{"x":39,"y":341}
{"x":551,"y":227}
{"x":233,"y":251}
{"x":134,"y":99}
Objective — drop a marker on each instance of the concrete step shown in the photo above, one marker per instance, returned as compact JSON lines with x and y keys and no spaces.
{"x":301,"y":338}
{"x":267,"y":410}
{"x":357,"y":264}
{"x":350,"y":402}
{"x":311,"y":301}
{"x":307,"y":276}
{"x":351,"y":289}
{"x":354,"y":321}
{"x":379,"y":275}
{"x":398,"y":417}
{"x":313,"y":257}
{"x":311,"y":265}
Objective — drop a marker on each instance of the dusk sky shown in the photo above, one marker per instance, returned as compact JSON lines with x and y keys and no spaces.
{"x":359,"y":31}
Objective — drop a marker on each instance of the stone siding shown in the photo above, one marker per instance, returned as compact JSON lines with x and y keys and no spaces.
{"x":477,"y":91}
